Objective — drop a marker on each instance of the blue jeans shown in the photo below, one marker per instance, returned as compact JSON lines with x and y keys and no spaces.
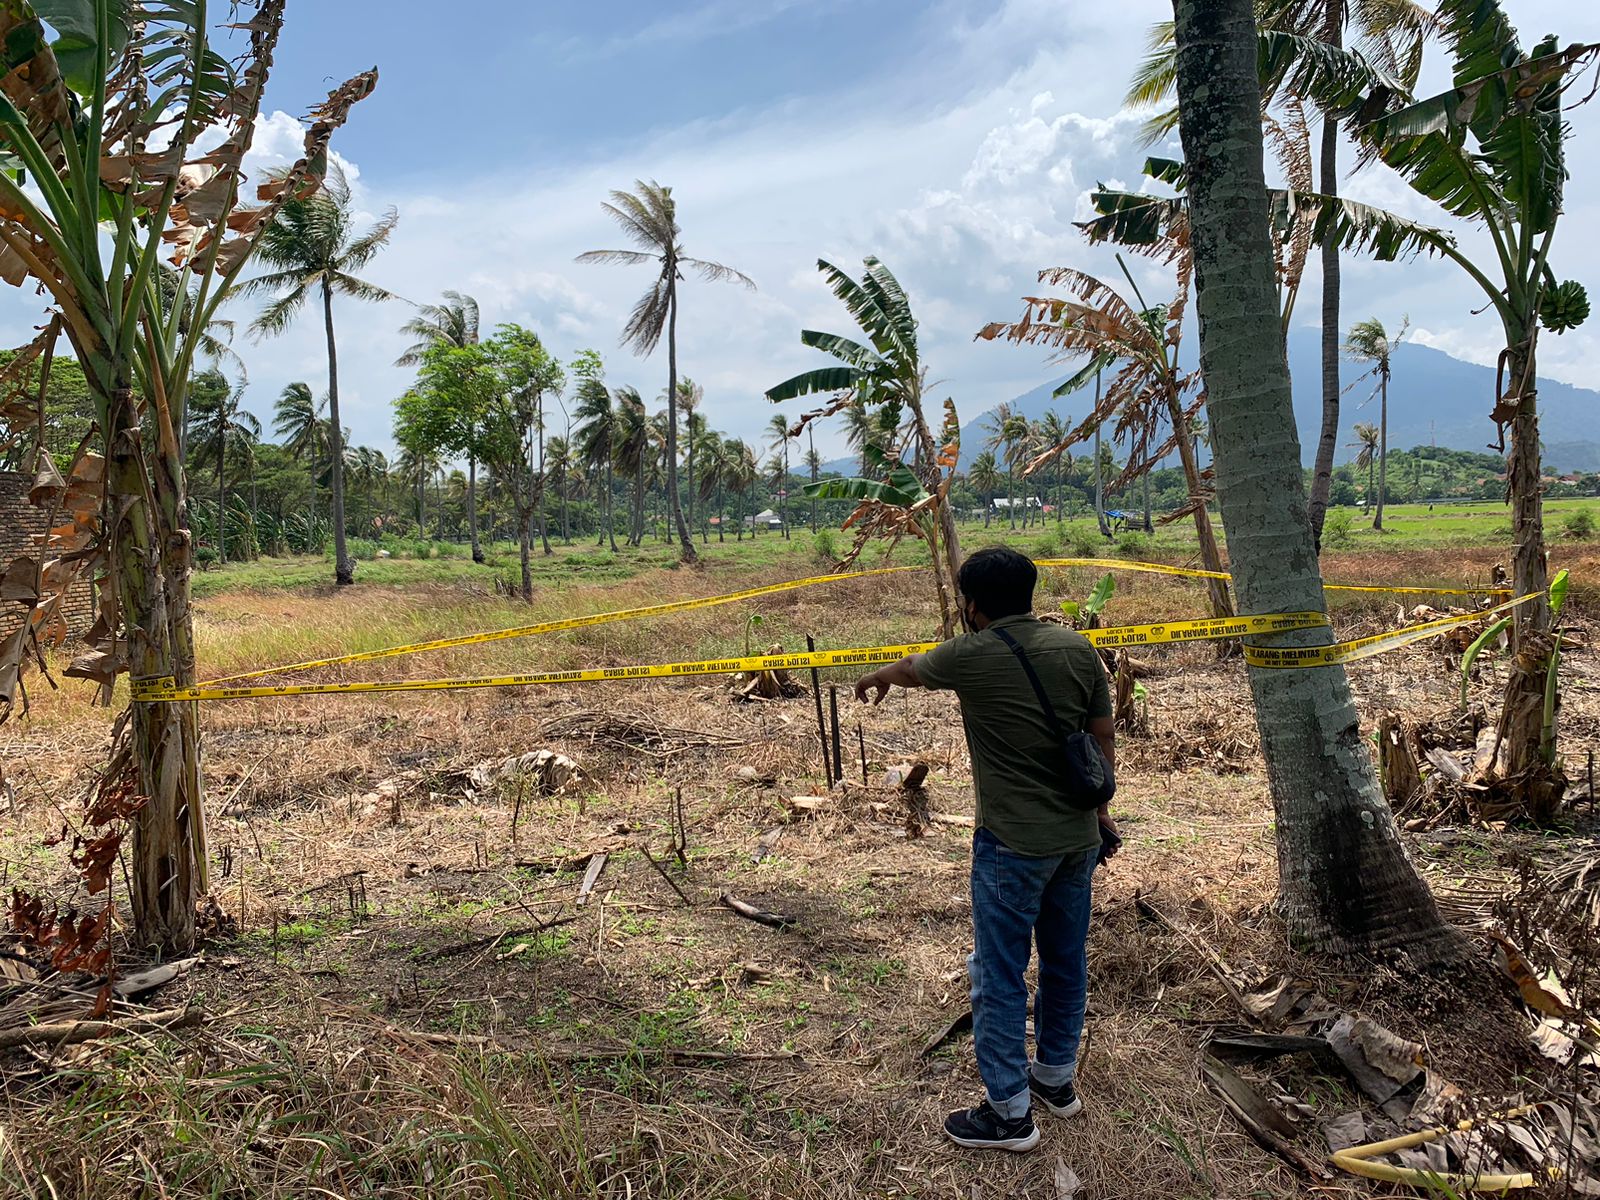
{"x":1015,"y":900}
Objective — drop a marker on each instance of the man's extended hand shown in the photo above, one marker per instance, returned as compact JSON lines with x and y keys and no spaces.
{"x":869,"y":683}
{"x":871,"y":689}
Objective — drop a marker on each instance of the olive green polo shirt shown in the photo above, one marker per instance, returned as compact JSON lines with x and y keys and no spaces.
{"x":1015,"y":770}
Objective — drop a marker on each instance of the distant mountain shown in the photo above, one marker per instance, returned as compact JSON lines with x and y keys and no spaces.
{"x":1433,"y":399}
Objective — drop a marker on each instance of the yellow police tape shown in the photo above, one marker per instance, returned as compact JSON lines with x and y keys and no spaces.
{"x":1367,"y":647}
{"x":677,"y":606}
{"x":1125,"y":635}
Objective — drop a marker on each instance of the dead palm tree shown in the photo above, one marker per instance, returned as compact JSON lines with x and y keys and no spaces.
{"x":648,"y":216}
{"x":311,"y":244}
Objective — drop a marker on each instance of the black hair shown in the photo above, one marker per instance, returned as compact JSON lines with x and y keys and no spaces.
{"x":999,"y":581}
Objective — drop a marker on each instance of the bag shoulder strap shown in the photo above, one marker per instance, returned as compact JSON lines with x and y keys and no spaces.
{"x":1033,"y":678}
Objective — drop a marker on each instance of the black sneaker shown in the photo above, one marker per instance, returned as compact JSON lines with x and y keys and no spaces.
{"x":1060,"y":1100}
{"x":982,"y":1128}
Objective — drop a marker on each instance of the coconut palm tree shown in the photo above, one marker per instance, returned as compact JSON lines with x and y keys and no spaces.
{"x":739,"y":459}
{"x":985,"y":480}
{"x":312,"y":245}
{"x":1332,"y":824}
{"x":1048,"y":430}
{"x":596,"y":432}
{"x":452,"y":322}
{"x":632,"y":449}
{"x":1008,"y":431}
{"x":648,"y":216}
{"x":713,"y":476}
{"x":778,"y":431}
{"x":1369,"y":342}
{"x":564,"y":468}
{"x":1367,"y":450}
{"x":1391,"y":35}
{"x":813,"y":472}
{"x":219,"y":428}
{"x":859,"y":429}
{"x":297,"y":418}
{"x":690,"y":396}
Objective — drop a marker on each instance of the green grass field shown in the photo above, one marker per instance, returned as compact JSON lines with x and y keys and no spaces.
{"x":1406,"y":527}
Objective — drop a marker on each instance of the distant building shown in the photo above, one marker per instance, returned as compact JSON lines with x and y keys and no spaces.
{"x":766,"y":518}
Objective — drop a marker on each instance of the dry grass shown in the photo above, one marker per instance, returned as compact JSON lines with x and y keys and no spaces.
{"x":585,"y":1057}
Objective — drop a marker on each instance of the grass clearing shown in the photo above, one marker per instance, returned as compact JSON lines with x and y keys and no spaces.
{"x":468,"y":1029}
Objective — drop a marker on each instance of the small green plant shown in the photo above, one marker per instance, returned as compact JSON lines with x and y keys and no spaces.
{"x":1579,"y":526}
{"x":1050,"y":543}
{"x":1082,"y":542}
{"x":826,"y":545}
{"x":1088,"y":610}
{"x":1338,"y":530}
{"x":751,"y":624}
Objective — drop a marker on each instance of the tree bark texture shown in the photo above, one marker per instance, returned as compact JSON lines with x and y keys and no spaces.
{"x":1530,"y":567}
{"x":150,"y":555}
{"x":1346,"y":884}
{"x":1328,"y":442}
{"x":344,"y":572}
{"x":1383,"y":445}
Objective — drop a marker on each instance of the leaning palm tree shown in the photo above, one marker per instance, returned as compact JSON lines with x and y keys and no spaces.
{"x":221,"y":427}
{"x":1369,"y":342}
{"x":713,"y":476}
{"x":648,"y":216}
{"x":311,"y":244}
{"x":452,"y":322}
{"x":1366,"y":446}
{"x":297,"y":417}
{"x":596,"y":432}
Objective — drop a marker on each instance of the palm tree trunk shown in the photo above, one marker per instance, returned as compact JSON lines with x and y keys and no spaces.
{"x":783,"y":493}
{"x":1011,"y":492}
{"x":685,"y":542}
{"x":344,"y":571}
{"x":1328,"y":442}
{"x":524,"y":548}
{"x":544,"y":532}
{"x":1383,"y":444}
{"x":811,"y":461}
{"x":1333,"y":826}
{"x":472,"y":507}
{"x":222,"y":501}
{"x":611,"y":507}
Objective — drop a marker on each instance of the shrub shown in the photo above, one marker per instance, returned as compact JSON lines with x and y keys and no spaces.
{"x":1579,"y":525}
{"x":1134,"y":543}
{"x":1337,"y":528}
{"x":826,"y":544}
{"x":1083,"y":542}
{"x":1050,"y":543}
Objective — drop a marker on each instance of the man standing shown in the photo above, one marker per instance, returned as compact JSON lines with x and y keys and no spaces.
{"x":1033,"y":851}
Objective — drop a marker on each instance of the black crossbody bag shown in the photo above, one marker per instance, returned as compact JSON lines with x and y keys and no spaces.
{"x":1086,"y":776}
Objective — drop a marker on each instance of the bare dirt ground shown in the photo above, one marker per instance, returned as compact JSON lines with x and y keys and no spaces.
{"x":418,"y":998}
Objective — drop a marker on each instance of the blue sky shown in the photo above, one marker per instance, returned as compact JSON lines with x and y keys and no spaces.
{"x":953,"y":138}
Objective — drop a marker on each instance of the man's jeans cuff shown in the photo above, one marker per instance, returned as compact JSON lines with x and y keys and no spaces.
{"x":1052,"y":1076}
{"x":1015,"y":1107}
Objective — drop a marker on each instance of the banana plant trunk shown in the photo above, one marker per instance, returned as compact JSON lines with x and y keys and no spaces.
{"x":1346,"y":885}
{"x":343,"y":569}
{"x":150,"y":557}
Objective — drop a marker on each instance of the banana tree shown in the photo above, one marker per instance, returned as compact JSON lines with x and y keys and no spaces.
{"x":107,"y":105}
{"x":1491,"y":150}
{"x":886,"y":378}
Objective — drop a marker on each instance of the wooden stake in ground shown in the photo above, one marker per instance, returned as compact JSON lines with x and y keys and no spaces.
{"x":861,"y":741}
{"x":816,"y":695}
{"x":838,"y":749}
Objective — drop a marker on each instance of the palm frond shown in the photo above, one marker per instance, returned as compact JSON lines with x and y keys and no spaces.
{"x":852,"y":353}
{"x":365,"y":248}
{"x":648,"y":320}
{"x":278,"y":315}
{"x":822,"y":379}
{"x":358,"y":289}
{"x":629,"y":258}
{"x":717,"y":273}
